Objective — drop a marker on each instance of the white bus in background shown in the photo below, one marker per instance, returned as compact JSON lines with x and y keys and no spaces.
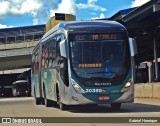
{"x":20,"y":88}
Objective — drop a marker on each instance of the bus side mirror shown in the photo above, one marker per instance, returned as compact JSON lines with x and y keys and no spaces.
{"x":63,"y":49}
{"x":133,"y":46}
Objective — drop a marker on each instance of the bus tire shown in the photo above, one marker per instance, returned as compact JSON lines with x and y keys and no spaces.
{"x":37,"y":100}
{"x":42,"y":101}
{"x":54,"y":104}
{"x":47,"y":102}
{"x":115,"y":106}
{"x":61,"y":105}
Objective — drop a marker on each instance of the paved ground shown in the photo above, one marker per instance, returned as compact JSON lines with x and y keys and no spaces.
{"x":25,"y":107}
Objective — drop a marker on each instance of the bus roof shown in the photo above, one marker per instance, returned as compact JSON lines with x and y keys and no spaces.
{"x":86,"y":26}
{"x":91,"y":23}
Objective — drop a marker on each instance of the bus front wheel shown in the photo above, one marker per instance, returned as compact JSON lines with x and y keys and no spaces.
{"x":115,"y":106}
{"x":61,"y":105}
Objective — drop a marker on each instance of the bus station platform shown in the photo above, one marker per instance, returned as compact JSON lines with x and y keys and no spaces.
{"x":147,"y":90}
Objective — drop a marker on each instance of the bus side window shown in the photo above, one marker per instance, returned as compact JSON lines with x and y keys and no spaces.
{"x":58,"y":58}
{"x":36,"y":61}
{"x":50,"y":47}
{"x":60,"y":37}
{"x":57,"y":45}
{"x":45,"y":55}
{"x":33,"y":61}
{"x":52,"y":52}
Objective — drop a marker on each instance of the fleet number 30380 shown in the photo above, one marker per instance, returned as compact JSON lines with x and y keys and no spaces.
{"x":93,"y":90}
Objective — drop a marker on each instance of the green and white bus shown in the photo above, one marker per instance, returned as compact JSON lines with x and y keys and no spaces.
{"x":84,"y":62}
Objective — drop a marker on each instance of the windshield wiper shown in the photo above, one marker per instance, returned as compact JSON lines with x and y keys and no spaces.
{"x":107,"y":74}
{"x":104,"y":73}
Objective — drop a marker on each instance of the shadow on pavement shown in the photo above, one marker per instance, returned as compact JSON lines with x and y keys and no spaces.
{"x":125,"y":108}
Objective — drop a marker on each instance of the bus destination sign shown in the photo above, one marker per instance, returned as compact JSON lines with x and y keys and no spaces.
{"x":97,"y":37}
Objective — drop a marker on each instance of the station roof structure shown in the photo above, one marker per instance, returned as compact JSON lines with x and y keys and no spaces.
{"x":21,"y":34}
{"x":143,"y":24}
{"x":15,"y":31}
{"x":119,"y":15}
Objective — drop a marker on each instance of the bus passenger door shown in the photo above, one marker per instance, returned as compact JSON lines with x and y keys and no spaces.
{"x":64,"y":71}
{"x":63,"y":63}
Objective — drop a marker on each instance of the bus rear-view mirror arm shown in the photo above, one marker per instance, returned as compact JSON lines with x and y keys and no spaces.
{"x":63,"y":49}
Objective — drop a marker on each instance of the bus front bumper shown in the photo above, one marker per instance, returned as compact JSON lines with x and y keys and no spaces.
{"x":74,"y":98}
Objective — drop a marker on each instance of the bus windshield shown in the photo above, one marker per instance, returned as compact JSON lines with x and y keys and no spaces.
{"x":99,"y":59}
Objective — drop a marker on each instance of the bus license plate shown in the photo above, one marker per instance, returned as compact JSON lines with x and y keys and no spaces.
{"x":103,"y":97}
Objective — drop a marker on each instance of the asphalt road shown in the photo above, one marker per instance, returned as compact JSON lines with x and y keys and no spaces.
{"x":25,"y":107}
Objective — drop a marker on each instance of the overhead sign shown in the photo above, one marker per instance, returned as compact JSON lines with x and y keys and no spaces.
{"x":97,"y":37}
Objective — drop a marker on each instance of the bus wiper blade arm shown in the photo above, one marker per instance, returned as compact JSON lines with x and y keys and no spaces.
{"x":108,"y":74}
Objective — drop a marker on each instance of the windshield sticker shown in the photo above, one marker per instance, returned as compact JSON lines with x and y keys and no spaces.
{"x":108,"y":72}
{"x":89,"y":65}
{"x":108,"y":69}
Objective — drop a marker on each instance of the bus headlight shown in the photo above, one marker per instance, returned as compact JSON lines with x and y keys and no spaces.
{"x":126,"y":87}
{"x":77,"y":87}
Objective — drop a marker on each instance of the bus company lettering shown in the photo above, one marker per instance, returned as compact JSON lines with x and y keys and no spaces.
{"x":103,"y":84}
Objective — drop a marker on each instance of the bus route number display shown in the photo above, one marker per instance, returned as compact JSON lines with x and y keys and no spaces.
{"x":96,"y":37}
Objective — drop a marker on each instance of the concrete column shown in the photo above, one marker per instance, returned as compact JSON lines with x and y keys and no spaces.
{"x":155,"y":59}
{"x":149,"y":64}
